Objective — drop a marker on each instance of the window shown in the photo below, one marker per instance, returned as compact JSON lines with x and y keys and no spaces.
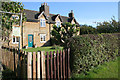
{"x":16,"y":31}
{"x":15,"y":17}
{"x":15,"y":40}
{"x":42,"y":37}
{"x":58,"y":24}
{"x":42,"y":22}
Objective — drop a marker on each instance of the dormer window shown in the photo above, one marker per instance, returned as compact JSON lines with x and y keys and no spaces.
{"x":58,"y":24}
{"x":42,"y":22}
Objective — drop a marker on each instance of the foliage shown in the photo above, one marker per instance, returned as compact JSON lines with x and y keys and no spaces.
{"x":111,"y":26}
{"x":55,"y":47}
{"x":7,"y":20}
{"x":7,"y":74}
{"x":85,"y":29}
{"x":61,"y":34}
{"x":89,"y":51}
{"x":108,"y":27}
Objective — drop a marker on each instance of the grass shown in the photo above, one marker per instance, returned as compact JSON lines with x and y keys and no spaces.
{"x":107,"y":70}
{"x":49,"y":48}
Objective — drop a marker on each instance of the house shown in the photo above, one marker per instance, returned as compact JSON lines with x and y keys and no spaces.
{"x":36,"y":30}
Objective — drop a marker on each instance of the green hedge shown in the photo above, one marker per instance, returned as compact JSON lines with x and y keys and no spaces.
{"x":88,"y":51}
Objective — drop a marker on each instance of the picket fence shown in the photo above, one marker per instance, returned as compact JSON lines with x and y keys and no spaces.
{"x":37,"y":65}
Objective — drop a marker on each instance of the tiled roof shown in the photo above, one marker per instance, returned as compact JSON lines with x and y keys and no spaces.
{"x":33,"y":15}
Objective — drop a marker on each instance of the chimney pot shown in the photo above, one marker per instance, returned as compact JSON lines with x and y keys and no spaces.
{"x":71,"y":14}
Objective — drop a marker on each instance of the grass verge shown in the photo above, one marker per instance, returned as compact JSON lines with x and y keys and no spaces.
{"x":107,"y":70}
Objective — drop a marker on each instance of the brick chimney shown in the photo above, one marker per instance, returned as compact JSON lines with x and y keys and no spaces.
{"x":71,"y":14}
{"x":44,"y":7}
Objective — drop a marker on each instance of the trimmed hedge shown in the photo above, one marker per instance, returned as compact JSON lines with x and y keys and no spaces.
{"x":88,"y":51}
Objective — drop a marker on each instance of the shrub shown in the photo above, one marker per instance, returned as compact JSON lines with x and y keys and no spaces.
{"x":55,"y":47}
{"x":88,"y":51}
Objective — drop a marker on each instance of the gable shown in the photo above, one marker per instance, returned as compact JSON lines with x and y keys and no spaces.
{"x":73,"y":21}
{"x":57,"y":19}
{"x":42,"y":16}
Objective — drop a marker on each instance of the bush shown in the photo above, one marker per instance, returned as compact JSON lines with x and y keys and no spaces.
{"x":7,"y":74}
{"x":53,"y":41}
{"x":88,"y":51}
{"x":55,"y":47}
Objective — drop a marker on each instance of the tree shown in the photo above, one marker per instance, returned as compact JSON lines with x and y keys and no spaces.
{"x":85,"y":29}
{"x":61,"y":34}
{"x":108,"y":26}
{"x":7,"y":22}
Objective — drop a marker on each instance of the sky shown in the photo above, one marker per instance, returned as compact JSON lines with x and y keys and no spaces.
{"x":84,"y":12}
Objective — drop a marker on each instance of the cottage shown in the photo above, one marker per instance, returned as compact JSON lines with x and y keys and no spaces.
{"x":36,"y":30}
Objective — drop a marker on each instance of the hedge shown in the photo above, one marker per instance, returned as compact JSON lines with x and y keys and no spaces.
{"x":88,"y":51}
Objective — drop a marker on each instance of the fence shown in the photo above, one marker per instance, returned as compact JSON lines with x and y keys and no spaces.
{"x":49,"y":65}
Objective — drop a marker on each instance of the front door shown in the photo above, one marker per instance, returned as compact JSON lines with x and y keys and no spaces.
{"x":30,"y":40}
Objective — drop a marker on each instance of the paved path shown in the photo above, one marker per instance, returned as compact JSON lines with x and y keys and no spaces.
{"x":1,"y":68}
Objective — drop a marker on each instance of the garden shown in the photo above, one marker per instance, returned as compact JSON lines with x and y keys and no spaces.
{"x":46,"y":49}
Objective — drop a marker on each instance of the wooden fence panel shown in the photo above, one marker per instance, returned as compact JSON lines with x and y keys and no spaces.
{"x":48,"y":75}
{"x":34,"y":65}
{"x":64,"y":64}
{"x":61,"y":65}
{"x":54,"y":64}
{"x":58,"y":65}
{"x":29,"y":65}
{"x":69,"y":63}
{"x":38,"y":65}
{"x":51,"y":64}
{"x":43,"y":64}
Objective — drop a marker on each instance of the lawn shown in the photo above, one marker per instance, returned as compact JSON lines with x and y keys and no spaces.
{"x":107,"y":70}
{"x":49,"y":48}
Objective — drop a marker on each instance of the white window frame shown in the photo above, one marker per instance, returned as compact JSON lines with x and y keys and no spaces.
{"x":41,"y":35}
{"x":43,"y":23}
{"x":15,"y":17}
{"x":57,"y":23}
{"x":15,"y":39}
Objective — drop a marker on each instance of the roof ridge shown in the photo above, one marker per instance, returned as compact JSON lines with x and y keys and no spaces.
{"x":31,"y":10}
{"x":60,"y":15}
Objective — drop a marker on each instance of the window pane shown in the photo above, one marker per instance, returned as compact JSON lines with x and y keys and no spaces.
{"x":41,"y":39}
{"x":30,"y":38}
{"x":44,"y":24}
{"x":58,"y":24}
{"x":13,"y":39}
{"x":44,"y":38}
{"x":17,"y":39}
{"x":40,"y":22}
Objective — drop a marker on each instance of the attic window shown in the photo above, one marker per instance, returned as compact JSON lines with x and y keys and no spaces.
{"x":42,"y":22}
{"x":58,"y":24}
